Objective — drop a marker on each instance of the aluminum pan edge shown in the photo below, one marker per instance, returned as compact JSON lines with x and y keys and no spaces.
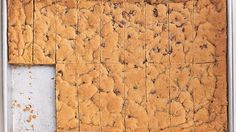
{"x":4,"y":62}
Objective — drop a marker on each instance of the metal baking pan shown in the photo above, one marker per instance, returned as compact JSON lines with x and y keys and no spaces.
{"x":31,"y":79}
{"x":231,"y":64}
{"x":28,"y":93}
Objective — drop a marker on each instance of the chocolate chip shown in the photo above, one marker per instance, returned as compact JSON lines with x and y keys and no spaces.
{"x":129,"y":36}
{"x":156,"y":50}
{"x":60,"y":73}
{"x":148,"y":1}
{"x":178,"y":42}
{"x":204,"y":46}
{"x":47,"y":37}
{"x":145,"y":61}
{"x":102,"y":45}
{"x":153,"y":92}
{"x":117,"y":92}
{"x":129,"y":116}
{"x":132,"y":12}
{"x":116,"y":5}
{"x":155,"y":35}
{"x":153,"y":80}
{"x":123,"y":22}
{"x":155,"y":12}
{"x":100,"y":90}
{"x":135,"y":87}
{"x":124,"y":14}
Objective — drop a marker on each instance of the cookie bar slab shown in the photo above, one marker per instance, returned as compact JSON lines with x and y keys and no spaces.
{"x":66,"y":28}
{"x":210,"y":39}
{"x":20,"y":31}
{"x":44,"y":32}
{"x":210,"y":97}
{"x":134,"y":14}
{"x":67,"y":98}
{"x":182,"y":99}
{"x":180,"y":31}
{"x":112,"y":33}
{"x":112,"y":98}
{"x":136,"y":118}
{"x":158,"y":97}
{"x":157,"y":45}
{"x":88,"y":80}
{"x":88,"y":34}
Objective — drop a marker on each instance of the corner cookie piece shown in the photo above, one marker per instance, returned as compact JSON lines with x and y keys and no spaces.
{"x":66,"y":28}
{"x":210,"y":39}
{"x":67,"y":98}
{"x":44,"y":32}
{"x":158,"y":97}
{"x":182,"y":97}
{"x":88,"y":38}
{"x":180,"y":31}
{"x":112,"y":98}
{"x":210,"y":97}
{"x":136,"y":118}
{"x":20,"y":31}
{"x":157,"y":45}
{"x":88,"y":77}
{"x":112,"y":33}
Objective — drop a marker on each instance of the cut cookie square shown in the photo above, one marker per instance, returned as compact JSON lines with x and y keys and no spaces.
{"x":157,"y":46}
{"x":112,"y":33}
{"x":88,"y":34}
{"x":134,"y":19}
{"x":67,"y":98}
{"x":112,"y":97}
{"x":20,"y":31}
{"x":89,"y":98}
{"x":158,"y":100}
{"x":136,"y":118}
{"x":210,"y":31}
{"x":181,"y":94}
{"x":180,"y":31}
{"x":210,"y":97}
{"x":44,"y":32}
{"x":66,"y":28}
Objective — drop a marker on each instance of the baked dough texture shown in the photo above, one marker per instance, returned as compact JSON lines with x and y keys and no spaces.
{"x":44,"y":32}
{"x":67,"y":97}
{"x":128,"y":65}
{"x":20,"y":31}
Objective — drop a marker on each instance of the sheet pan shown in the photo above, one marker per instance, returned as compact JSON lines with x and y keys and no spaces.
{"x":28,"y":93}
{"x":6,"y":118}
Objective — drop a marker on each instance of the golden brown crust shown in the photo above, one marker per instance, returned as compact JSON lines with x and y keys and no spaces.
{"x":88,"y":81}
{"x":181,"y":31}
{"x":181,"y":97}
{"x":112,"y":33}
{"x":210,"y":95}
{"x":134,"y":15}
{"x":66,"y":27}
{"x":152,"y":65}
{"x":157,"y":45}
{"x":112,"y":97}
{"x":210,"y":39}
{"x":136,"y":118}
{"x":88,"y":38}
{"x":44,"y":32}
{"x":20,"y":31}
{"x":66,"y":98}
{"x":158,"y":96}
